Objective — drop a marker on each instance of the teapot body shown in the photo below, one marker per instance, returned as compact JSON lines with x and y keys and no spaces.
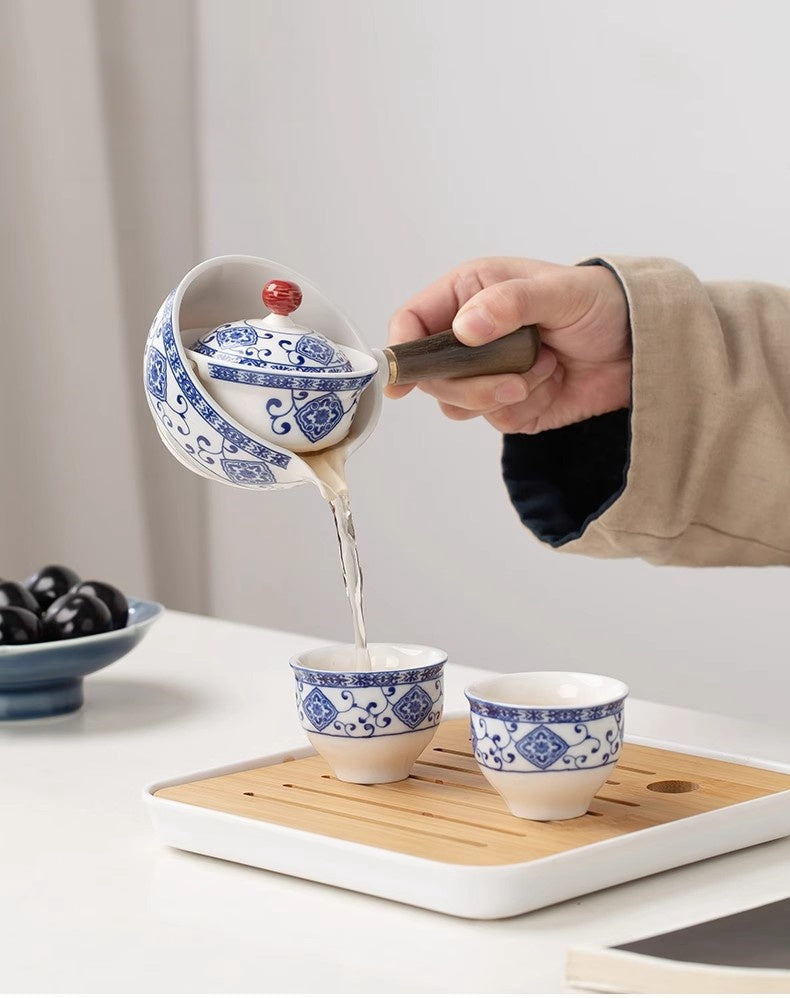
{"x":302,"y":407}
{"x":240,"y":427}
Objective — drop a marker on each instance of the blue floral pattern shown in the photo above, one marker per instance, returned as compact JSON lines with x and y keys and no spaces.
{"x":536,"y":715}
{"x":319,"y":350}
{"x":366,"y":680}
{"x":542,"y":747}
{"x":369,"y":704}
{"x":318,"y":709}
{"x":553,"y":745}
{"x":318,"y":418}
{"x":251,"y":344}
{"x":317,"y":405}
{"x":243,"y":336}
{"x":413,"y":706}
{"x":299,"y":381}
{"x":190,"y":421}
{"x":247,"y":472}
{"x":156,"y":374}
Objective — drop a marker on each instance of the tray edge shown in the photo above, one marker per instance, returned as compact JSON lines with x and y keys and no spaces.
{"x":465,"y":890}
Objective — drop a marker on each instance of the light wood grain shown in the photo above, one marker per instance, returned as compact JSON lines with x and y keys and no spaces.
{"x":446,"y":811}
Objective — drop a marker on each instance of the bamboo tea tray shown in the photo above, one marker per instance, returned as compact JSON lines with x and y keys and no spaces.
{"x":444,"y":840}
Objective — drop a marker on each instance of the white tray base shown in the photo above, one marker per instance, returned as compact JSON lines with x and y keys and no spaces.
{"x":483,"y":892}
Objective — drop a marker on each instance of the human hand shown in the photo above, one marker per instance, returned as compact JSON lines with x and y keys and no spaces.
{"x":583,"y":368}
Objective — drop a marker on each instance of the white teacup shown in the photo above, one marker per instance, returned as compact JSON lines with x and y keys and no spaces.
{"x":370,"y":726}
{"x":547,"y":741}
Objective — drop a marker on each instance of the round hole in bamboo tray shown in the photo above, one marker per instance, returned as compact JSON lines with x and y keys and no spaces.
{"x":672,"y":787}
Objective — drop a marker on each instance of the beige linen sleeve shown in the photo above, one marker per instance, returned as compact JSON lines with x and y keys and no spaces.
{"x":708,"y":480}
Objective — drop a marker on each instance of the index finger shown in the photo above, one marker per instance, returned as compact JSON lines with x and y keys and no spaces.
{"x":433,"y":309}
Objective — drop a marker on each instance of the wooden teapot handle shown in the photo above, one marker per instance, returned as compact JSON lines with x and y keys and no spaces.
{"x":444,"y":356}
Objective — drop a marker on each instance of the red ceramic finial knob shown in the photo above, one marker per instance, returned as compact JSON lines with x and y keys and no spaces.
{"x":282,"y":297}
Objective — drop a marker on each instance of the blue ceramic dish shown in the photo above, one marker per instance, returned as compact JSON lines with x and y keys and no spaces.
{"x":44,"y":679}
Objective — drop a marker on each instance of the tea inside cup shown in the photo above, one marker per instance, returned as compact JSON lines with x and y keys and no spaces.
{"x":370,"y":726}
{"x":547,"y":741}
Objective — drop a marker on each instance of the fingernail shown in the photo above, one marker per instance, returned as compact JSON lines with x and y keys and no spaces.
{"x":474,"y":325}
{"x":511,"y":391}
{"x":545,"y":365}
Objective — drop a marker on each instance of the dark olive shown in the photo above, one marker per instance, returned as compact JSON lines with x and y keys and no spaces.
{"x":112,"y":597}
{"x":19,"y":626}
{"x":13,"y":594}
{"x":76,"y":615}
{"x":51,"y":582}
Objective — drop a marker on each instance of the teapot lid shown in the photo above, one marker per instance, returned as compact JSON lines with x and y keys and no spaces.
{"x":275,"y":342}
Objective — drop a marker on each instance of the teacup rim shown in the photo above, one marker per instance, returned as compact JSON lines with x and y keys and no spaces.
{"x":602,"y":701}
{"x":438,"y":658}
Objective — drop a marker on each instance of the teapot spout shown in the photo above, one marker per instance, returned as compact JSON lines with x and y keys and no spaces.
{"x":329,"y":468}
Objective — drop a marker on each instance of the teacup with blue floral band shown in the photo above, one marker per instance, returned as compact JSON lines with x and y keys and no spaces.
{"x":370,"y":726}
{"x":547,"y":741}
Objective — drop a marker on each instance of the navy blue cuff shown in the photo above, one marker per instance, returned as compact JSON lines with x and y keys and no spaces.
{"x":561,"y":480}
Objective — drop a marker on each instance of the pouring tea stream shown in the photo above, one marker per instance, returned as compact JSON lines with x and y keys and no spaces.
{"x":261,"y":403}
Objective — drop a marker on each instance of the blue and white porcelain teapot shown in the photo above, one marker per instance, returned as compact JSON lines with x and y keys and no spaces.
{"x":286,"y":382}
{"x":237,"y":398}
{"x":267,"y":402}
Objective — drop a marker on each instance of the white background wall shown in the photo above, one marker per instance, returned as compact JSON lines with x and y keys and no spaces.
{"x":372,"y":146}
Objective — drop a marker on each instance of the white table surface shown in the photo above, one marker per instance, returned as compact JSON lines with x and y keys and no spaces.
{"x":90,"y":901}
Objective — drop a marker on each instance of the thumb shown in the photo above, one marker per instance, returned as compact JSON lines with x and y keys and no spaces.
{"x":551,"y":301}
